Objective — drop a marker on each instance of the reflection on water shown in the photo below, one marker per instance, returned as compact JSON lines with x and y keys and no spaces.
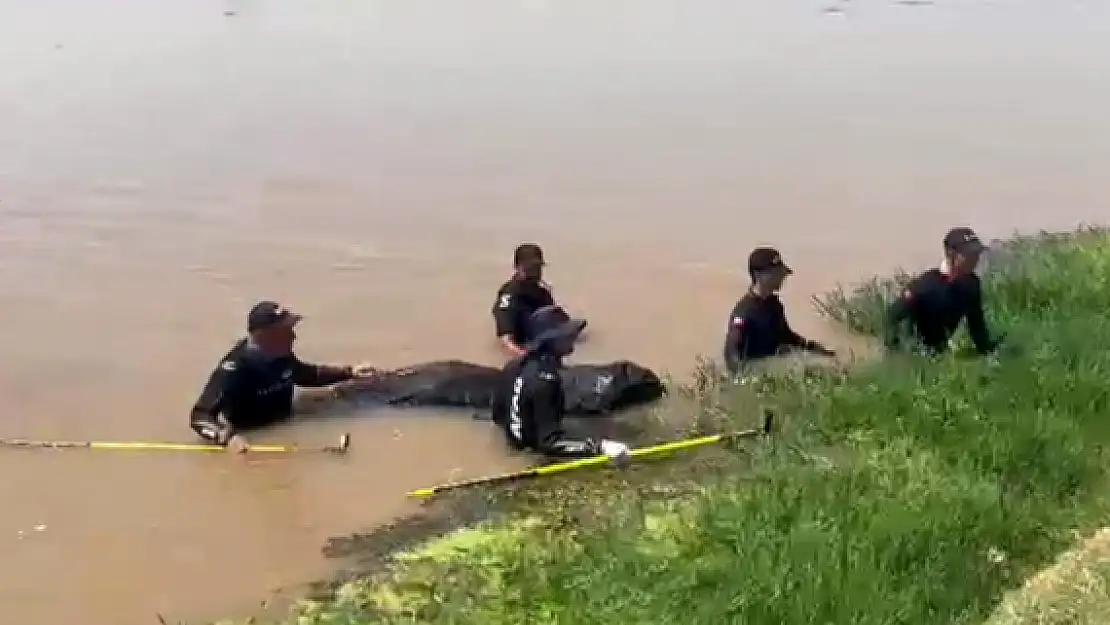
{"x":372,"y":163}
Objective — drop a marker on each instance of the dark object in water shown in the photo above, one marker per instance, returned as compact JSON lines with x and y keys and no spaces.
{"x":590,"y":389}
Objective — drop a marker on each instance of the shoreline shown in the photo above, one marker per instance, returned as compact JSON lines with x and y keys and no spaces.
{"x":913,"y":489}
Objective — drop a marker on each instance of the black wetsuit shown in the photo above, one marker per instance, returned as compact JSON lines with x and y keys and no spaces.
{"x":757,"y":328}
{"x":934,"y":303}
{"x":251,"y":390}
{"x":516,"y":300}
{"x":531,"y":406}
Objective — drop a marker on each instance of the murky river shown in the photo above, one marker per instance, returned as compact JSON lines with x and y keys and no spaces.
{"x":373,"y":162}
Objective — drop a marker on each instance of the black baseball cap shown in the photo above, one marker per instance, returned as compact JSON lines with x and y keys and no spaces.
{"x":551,"y":323}
{"x":527,"y":253}
{"x":266,"y":313}
{"x":764,"y":258}
{"x":962,"y":240}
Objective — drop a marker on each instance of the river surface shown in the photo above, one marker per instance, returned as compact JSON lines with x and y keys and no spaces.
{"x":372,"y":163}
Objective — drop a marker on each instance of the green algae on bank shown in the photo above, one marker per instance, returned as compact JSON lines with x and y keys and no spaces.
{"x":942,"y":484}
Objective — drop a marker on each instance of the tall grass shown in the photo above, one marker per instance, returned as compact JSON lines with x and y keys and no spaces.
{"x":910,"y":490}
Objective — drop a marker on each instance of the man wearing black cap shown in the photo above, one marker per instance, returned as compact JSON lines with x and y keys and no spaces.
{"x":531,"y":406}
{"x":523,"y":294}
{"x":253,"y":384}
{"x":757,"y":327}
{"x":936,"y":301}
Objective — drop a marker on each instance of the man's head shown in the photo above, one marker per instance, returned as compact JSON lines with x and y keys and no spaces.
{"x":554,"y":331}
{"x":767,"y":270}
{"x":528,"y":261}
{"x":962,"y":250}
{"x":272,"y":327}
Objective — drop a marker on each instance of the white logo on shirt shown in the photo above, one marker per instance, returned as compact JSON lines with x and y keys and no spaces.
{"x":505,"y":301}
{"x":516,"y":425}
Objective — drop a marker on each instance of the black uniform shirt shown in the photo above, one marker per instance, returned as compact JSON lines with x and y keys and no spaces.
{"x":516,"y":300}
{"x":934,"y":303}
{"x":250,"y":390}
{"x":757,"y":328}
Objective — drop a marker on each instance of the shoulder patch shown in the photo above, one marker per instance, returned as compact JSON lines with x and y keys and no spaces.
{"x":504,"y":301}
{"x":228,"y":365}
{"x":737,"y":322}
{"x":907,"y":294}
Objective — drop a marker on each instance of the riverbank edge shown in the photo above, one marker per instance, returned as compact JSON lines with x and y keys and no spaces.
{"x":912,"y":489}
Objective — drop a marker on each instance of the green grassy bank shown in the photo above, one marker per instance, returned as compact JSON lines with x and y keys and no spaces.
{"x":905,"y":490}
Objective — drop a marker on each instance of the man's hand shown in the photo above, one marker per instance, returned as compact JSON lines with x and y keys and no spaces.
{"x":238,"y":444}
{"x":514,"y":350}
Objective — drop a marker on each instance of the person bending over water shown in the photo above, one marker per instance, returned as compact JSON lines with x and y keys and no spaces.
{"x":523,"y":294}
{"x":252,"y":386}
{"x":934,"y":303}
{"x":530,"y":405}
{"x":757,"y":326}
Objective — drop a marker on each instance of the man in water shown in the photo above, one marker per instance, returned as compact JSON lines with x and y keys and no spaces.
{"x":936,"y":301}
{"x":523,"y":294}
{"x":530,"y":407}
{"x":757,"y":327}
{"x":252,"y":386}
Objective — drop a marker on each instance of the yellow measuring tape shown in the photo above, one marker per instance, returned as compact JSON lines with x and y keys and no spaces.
{"x":594,"y":461}
{"x":344,"y":444}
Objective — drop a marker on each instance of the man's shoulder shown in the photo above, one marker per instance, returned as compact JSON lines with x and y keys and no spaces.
{"x":744,"y":305}
{"x":926,"y":280}
{"x":506,"y":293}
{"x":242,"y":356}
{"x":235,"y":358}
{"x":535,"y":293}
{"x":969,"y":283}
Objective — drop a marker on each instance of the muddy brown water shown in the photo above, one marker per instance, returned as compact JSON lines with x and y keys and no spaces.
{"x":372,"y":163}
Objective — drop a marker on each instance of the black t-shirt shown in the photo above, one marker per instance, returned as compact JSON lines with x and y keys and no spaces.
{"x":934,"y":303}
{"x":250,"y":390}
{"x":516,"y":300}
{"x":757,"y":328}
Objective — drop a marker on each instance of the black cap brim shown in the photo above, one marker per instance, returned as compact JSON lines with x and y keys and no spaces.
{"x":289,"y":319}
{"x":974,"y":245}
{"x":786,"y":268}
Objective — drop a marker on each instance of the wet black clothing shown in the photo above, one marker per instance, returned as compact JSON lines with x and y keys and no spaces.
{"x":250,"y":390}
{"x":757,"y":328}
{"x":516,"y":300}
{"x":934,"y":303}
{"x":530,"y":408}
